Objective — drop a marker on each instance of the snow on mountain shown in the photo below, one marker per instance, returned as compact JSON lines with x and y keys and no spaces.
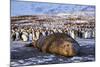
{"x":30,"y":8}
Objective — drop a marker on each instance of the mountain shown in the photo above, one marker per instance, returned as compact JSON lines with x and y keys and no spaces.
{"x":30,"y":8}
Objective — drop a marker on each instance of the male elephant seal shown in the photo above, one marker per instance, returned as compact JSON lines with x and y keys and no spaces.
{"x":58,"y":43}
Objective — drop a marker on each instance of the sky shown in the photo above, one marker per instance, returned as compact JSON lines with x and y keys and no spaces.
{"x":33,"y":8}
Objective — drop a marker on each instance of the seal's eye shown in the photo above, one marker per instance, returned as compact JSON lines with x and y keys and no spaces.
{"x":67,"y":45}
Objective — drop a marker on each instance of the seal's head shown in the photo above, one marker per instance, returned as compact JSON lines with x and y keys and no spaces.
{"x":62,"y":47}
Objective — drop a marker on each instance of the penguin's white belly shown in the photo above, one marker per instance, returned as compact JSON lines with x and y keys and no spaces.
{"x":24,"y":37}
{"x":86,"y":35}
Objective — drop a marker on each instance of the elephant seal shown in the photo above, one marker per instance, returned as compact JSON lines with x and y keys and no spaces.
{"x":58,"y":43}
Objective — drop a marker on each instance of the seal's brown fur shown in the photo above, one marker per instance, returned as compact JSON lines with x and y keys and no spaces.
{"x":58,"y":43}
